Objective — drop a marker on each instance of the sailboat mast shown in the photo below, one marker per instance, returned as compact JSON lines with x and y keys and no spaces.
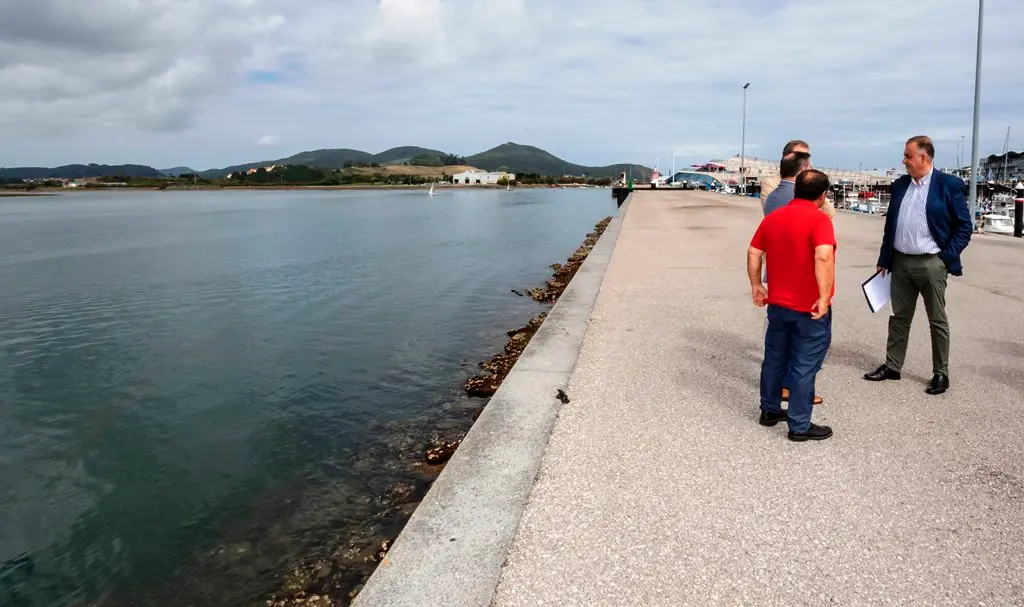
{"x":1006,"y":152}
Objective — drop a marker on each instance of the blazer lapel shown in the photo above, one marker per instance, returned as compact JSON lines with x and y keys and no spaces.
{"x":933,"y":201}
{"x":898,"y":193}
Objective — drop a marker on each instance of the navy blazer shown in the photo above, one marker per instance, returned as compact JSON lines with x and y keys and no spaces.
{"x":949,"y":219}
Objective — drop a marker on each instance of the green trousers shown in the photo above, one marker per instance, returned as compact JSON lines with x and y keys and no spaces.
{"x":914,"y":275}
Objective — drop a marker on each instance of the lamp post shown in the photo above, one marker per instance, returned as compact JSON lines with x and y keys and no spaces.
{"x":743,"y":143}
{"x":977,"y":103}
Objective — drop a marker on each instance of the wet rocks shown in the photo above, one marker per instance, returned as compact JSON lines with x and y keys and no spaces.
{"x":517,"y":343}
{"x":483,"y":385}
{"x":383,"y":550}
{"x":551,"y":291}
{"x":499,"y":366}
{"x":530,"y":327}
{"x":399,"y":493}
{"x":443,"y":452}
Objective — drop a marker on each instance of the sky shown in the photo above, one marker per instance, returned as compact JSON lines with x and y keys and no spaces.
{"x":211,"y":83}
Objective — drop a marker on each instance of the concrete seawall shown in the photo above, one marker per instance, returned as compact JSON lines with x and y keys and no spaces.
{"x":452,"y":550}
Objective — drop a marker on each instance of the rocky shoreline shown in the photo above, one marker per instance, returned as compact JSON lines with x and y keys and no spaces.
{"x":499,"y":366}
{"x":336,"y":580}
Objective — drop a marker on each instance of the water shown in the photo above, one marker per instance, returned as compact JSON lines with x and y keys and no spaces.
{"x":200,"y":390}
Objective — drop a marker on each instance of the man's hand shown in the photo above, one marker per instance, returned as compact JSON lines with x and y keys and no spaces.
{"x":881,"y":270}
{"x":760,"y":295}
{"x":819,"y":309}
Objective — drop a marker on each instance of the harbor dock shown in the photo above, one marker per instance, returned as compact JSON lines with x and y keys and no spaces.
{"x":651,"y":482}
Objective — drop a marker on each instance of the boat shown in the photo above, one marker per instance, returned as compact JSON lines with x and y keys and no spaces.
{"x":431,"y":192}
{"x":997,"y":224}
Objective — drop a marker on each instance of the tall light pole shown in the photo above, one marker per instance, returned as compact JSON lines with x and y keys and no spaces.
{"x":977,"y":103}
{"x":743,"y":143}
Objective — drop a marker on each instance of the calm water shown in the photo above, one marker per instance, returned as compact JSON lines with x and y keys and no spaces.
{"x":188,"y":380}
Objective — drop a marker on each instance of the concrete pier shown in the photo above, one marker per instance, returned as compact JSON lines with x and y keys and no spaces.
{"x":658,"y":487}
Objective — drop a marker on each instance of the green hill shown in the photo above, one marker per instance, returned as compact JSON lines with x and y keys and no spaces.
{"x":79,"y":171}
{"x":401,"y":155}
{"x":326,"y":158}
{"x":509,"y":156}
{"x":528,"y":159}
{"x":174,"y":172}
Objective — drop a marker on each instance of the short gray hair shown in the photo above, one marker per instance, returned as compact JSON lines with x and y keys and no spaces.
{"x":924,"y":144}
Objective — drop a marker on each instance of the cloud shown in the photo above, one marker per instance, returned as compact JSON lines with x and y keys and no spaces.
{"x":122,"y":64}
{"x":267,"y":140}
{"x":185,"y":82}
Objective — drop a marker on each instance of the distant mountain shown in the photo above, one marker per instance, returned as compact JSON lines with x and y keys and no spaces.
{"x":509,"y":156}
{"x":528,"y":159}
{"x":79,"y":171}
{"x":178,"y":171}
{"x":326,"y":159}
{"x":405,"y":153}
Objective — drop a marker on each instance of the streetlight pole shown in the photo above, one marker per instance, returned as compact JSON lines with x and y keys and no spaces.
{"x":743,"y":143}
{"x":977,"y":103}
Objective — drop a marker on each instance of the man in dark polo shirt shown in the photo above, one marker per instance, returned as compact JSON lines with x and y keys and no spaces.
{"x":799,"y":243}
{"x":796,"y":158}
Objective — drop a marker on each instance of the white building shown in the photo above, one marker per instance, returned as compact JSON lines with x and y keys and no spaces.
{"x":759,"y":169}
{"x":481,"y":177}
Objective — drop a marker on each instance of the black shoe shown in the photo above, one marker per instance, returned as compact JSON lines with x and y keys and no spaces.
{"x":938,"y":385}
{"x":770,"y":419}
{"x":882,"y":373}
{"x":814,"y":432}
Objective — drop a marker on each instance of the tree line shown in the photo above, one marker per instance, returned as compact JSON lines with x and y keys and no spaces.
{"x":296,"y":175}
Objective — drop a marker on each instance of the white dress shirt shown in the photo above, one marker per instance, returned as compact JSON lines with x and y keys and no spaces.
{"x":912,"y":234}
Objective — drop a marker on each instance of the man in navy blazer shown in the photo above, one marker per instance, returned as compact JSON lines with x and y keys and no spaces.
{"x":927,"y":227}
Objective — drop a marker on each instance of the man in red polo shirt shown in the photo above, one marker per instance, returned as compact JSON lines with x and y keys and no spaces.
{"x":799,"y":243}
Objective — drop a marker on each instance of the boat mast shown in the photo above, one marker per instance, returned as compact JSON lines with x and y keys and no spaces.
{"x":1006,"y":152}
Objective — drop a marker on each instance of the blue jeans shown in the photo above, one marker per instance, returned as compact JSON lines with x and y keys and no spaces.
{"x":785,"y":384}
{"x":794,"y":351}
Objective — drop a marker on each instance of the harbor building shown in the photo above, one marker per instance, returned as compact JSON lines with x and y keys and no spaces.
{"x":482,"y":177}
{"x":1001,"y":167}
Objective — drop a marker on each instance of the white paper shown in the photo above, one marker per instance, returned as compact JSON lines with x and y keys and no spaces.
{"x":876,"y":291}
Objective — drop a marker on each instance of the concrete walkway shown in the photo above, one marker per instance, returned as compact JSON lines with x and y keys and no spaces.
{"x":658,"y":487}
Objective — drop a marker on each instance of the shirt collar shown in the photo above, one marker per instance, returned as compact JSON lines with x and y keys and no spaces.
{"x":801,"y":201}
{"x":926,"y":180}
{"x":793,"y":181}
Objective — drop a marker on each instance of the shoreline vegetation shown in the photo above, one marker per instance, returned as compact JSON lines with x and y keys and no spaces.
{"x":336,"y":580}
{"x":298,"y":177}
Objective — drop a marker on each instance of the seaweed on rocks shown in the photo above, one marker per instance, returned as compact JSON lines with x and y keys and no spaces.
{"x":498,"y":367}
{"x":443,"y":452}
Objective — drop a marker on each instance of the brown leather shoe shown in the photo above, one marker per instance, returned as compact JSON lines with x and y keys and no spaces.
{"x":817,"y":400}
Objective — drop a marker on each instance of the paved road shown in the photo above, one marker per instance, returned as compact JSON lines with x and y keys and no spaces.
{"x":658,"y":487}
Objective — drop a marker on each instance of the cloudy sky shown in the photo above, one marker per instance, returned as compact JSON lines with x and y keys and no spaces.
{"x":209,"y":83}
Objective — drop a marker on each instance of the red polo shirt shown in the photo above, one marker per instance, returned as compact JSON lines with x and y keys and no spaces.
{"x":788,"y":237}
